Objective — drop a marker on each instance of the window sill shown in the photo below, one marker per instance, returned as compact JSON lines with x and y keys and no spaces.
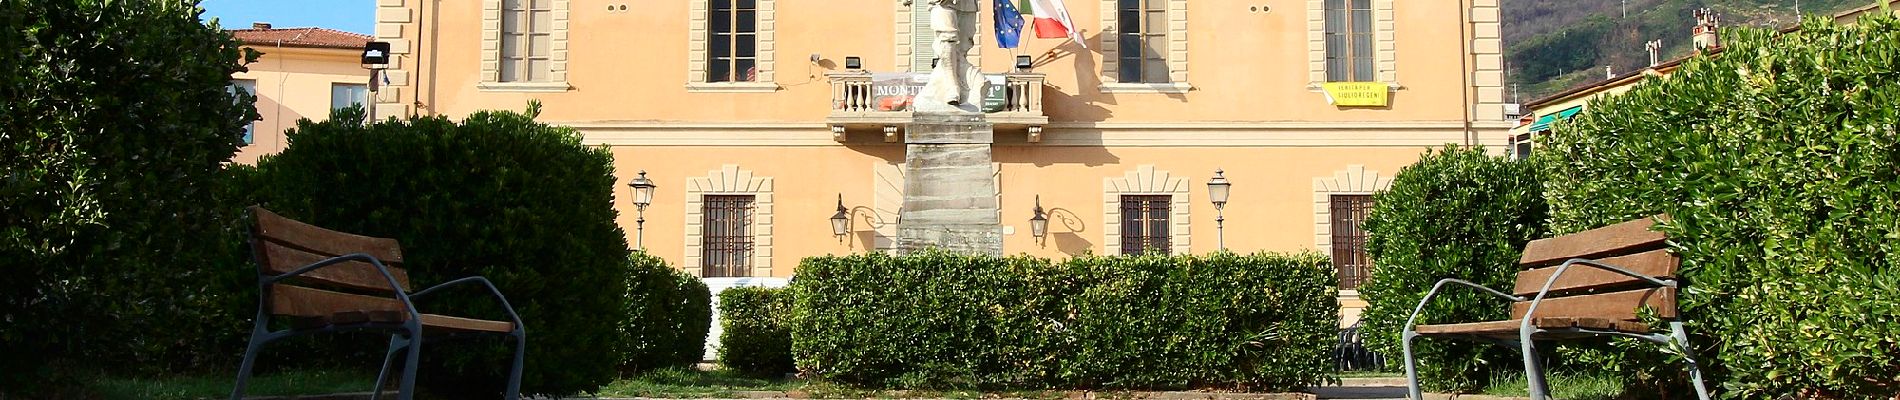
{"x":732,"y":87}
{"x":543,"y":87}
{"x":1169,"y":88}
{"x":1317,"y":86}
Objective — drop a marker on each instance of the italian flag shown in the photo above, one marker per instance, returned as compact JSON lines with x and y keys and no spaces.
{"x":1051,"y":20}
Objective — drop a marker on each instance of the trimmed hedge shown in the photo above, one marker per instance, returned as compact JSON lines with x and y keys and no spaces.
{"x":115,"y":122}
{"x":1778,"y":160}
{"x":939,"y":320}
{"x":498,"y":195}
{"x":1457,"y":213}
{"x":754,"y":339}
{"x":669,"y":313}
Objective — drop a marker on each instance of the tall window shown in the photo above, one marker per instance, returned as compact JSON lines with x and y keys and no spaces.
{"x":726,"y":235}
{"x":1349,"y":40}
{"x":344,"y":95}
{"x":1145,"y":223}
{"x":527,"y":40}
{"x":249,"y":87}
{"x":1349,"y":213}
{"x":732,"y":38}
{"x":1144,"y":41}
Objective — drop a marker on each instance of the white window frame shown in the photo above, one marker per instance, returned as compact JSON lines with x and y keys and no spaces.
{"x":1177,"y":56}
{"x":1384,"y":40}
{"x":1146,"y":180}
{"x":492,"y":16}
{"x":699,"y":14}
{"x":730,"y":180}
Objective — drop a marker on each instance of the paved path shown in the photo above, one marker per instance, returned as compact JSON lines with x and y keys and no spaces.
{"x":1360,"y":392}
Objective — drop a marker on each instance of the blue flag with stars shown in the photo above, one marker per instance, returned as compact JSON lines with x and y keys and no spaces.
{"x":1009,"y":24}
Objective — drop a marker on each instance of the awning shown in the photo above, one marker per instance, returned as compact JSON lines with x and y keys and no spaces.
{"x":1543,"y":123}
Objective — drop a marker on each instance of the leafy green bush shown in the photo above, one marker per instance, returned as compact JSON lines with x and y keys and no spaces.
{"x":754,"y":339}
{"x":114,"y":124}
{"x":1457,"y":213}
{"x":669,"y":313}
{"x":498,"y":195}
{"x":939,"y":320}
{"x":1777,"y":160}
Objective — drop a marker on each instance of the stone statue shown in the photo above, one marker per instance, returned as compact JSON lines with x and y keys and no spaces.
{"x":955,"y":84}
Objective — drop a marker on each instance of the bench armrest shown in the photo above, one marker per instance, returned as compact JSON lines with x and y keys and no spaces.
{"x":265,"y":281}
{"x":491,"y":290}
{"x":1412,"y":321}
{"x":1545,"y":291}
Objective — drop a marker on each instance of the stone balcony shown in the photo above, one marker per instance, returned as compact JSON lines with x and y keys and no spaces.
{"x":863,"y":100}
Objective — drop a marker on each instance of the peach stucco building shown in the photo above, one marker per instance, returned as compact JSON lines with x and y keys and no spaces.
{"x":749,"y":117}
{"x":303,"y":73}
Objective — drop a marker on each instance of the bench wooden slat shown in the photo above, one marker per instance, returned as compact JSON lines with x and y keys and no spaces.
{"x":1626,"y":237}
{"x":279,"y":258}
{"x":322,"y":241}
{"x":1614,"y":305}
{"x":1509,"y":328}
{"x":298,"y":301}
{"x":458,"y":324}
{"x":1658,"y":263}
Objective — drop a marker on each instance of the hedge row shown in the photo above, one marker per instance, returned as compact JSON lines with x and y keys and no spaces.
{"x":754,"y":339}
{"x":1457,"y":213}
{"x":668,"y":314}
{"x":938,"y":320}
{"x":1778,"y":160}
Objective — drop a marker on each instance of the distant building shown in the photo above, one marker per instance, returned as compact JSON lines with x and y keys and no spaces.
{"x":303,"y":73}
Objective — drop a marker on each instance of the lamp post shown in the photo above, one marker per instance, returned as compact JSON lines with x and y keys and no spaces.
{"x":1217,"y":189}
{"x":642,"y":196}
{"x":839,"y":220}
{"x":375,"y":59}
{"x":1039,"y":224}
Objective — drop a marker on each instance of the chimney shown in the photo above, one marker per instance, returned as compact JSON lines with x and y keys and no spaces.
{"x":260,"y":25}
{"x":1608,"y":73}
{"x":1704,"y":34}
{"x":1655,"y":51}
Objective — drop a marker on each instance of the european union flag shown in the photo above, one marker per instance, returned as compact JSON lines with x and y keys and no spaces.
{"x":1009,"y":24}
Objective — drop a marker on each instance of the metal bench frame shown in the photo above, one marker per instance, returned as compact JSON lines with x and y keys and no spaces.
{"x":1677,"y":340}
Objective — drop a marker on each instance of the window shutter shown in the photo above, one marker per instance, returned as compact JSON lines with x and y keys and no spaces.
{"x":921,"y":36}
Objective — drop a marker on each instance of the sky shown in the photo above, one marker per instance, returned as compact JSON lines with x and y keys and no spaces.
{"x":345,"y":15}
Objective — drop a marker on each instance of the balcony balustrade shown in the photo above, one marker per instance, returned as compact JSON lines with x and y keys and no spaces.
{"x":865,"y":100}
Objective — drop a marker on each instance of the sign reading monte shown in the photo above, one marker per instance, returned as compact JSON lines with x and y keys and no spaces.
{"x":894,"y":91}
{"x":1357,"y":94}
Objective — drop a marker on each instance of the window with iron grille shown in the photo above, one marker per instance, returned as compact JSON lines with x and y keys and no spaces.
{"x":527,"y":40}
{"x":1143,"y":40}
{"x":732,"y":40}
{"x":1349,"y":41}
{"x":1145,"y":224}
{"x":726,"y":236}
{"x":1349,"y":213}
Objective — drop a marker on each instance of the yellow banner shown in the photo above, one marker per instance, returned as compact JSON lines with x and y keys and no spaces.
{"x":1357,"y":94}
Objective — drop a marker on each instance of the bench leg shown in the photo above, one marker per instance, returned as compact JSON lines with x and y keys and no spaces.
{"x":1411,"y":368}
{"x":1533,"y":368}
{"x":514,"y":374}
{"x":396,"y":343}
{"x":409,"y":365}
{"x":1688,"y":354}
{"x":244,"y":368}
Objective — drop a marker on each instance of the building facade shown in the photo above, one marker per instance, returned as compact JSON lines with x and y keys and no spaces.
{"x":759,"y":119}
{"x":303,"y":73}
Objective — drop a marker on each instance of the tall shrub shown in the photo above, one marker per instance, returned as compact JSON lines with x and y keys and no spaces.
{"x":669,"y":313}
{"x":497,"y":195}
{"x":1777,"y":160}
{"x":114,"y":122}
{"x":939,"y":320}
{"x":754,"y":338}
{"x":1456,"y":213}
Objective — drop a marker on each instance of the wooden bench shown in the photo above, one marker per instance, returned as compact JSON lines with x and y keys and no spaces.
{"x":1623,"y":267}
{"x":321,"y":280}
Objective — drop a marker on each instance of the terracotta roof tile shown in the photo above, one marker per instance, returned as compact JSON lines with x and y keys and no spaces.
{"x":301,"y":37}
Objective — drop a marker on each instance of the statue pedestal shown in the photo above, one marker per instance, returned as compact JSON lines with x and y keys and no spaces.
{"x":950,"y":189}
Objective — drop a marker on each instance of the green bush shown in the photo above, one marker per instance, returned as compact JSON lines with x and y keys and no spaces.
{"x":1457,"y":213}
{"x":115,"y":121}
{"x":669,"y":313}
{"x":1778,"y":160}
{"x":754,"y":339}
{"x":498,"y":195}
{"x":938,"y":320}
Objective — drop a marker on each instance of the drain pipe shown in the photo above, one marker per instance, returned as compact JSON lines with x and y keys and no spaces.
{"x":1464,"y":66}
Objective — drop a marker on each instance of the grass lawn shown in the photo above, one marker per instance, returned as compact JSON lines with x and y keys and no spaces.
{"x":690,"y":383}
{"x":1568,"y":386}
{"x":219,"y":386}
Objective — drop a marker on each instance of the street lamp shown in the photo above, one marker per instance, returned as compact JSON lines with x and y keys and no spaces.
{"x":375,"y":59}
{"x":1217,"y":189}
{"x":839,"y":220}
{"x":642,"y":196}
{"x":1039,"y":224}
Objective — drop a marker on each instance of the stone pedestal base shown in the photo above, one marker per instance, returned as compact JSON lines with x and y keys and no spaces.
{"x":949,"y":186}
